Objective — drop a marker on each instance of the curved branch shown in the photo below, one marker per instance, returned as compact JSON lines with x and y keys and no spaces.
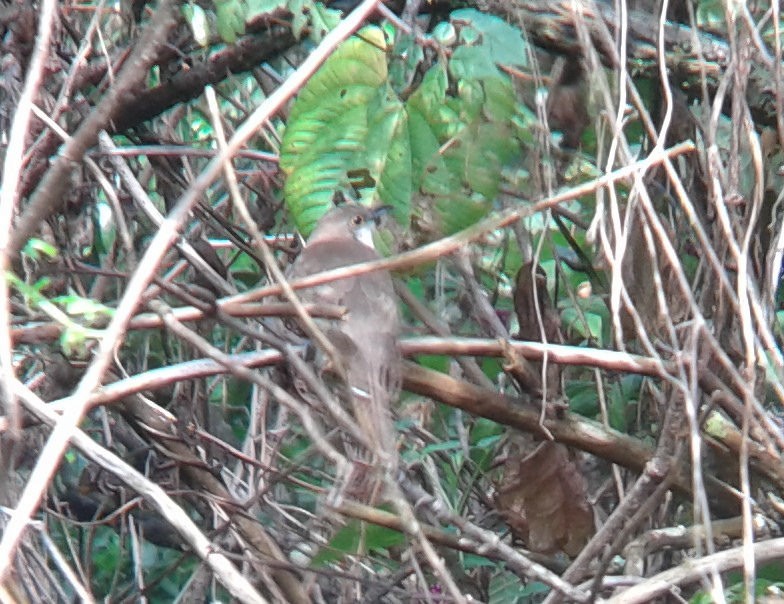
{"x":567,"y":428}
{"x":694,"y":569}
{"x":187,"y":84}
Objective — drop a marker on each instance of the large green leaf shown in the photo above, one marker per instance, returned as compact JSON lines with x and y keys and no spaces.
{"x":448,"y":145}
{"x":347,"y":119}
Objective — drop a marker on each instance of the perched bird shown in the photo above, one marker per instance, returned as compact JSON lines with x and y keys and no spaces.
{"x":366,"y":338}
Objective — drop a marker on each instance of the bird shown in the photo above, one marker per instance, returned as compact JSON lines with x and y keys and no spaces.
{"x":365,"y":340}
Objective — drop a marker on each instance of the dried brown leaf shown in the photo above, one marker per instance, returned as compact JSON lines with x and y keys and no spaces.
{"x":542,"y":497}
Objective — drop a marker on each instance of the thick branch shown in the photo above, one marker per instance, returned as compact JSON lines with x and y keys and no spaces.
{"x":248,"y":52}
{"x":569,"y":429}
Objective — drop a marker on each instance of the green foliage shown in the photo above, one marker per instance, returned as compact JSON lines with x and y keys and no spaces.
{"x":442,"y":149}
{"x":232,"y":15}
{"x":197,"y":19}
{"x":436,"y":362}
{"x":108,"y":557}
{"x":320,"y":18}
{"x":505,"y":588}
{"x":36,"y":249}
{"x":485,"y":42}
{"x":331,"y":124}
{"x":75,"y":334}
{"x":261,"y":7}
{"x":164,"y":569}
{"x":622,"y":396}
{"x":582,"y":396}
{"x":710,"y":13}
{"x":484,"y":438}
{"x":230,"y":19}
{"x":357,"y":537}
{"x":769,"y":582}
{"x":591,"y":320}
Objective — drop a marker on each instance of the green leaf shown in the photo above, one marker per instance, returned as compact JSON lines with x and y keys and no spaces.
{"x":444,"y":33}
{"x":436,"y":362}
{"x":588,"y":324}
{"x":443,"y":447}
{"x":447,"y":150}
{"x":357,"y":65}
{"x":84,"y":307}
{"x":197,"y":19}
{"x":347,"y":119}
{"x":471,"y":561}
{"x":404,"y":62}
{"x":230,"y":16}
{"x":322,"y":21}
{"x":388,"y":155}
{"x":32,"y":293}
{"x":299,"y":9}
{"x":263,"y":7}
{"x":488,"y":40}
{"x":505,"y":588}
{"x":313,"y":16}
{"x":710,"y":14}
{"x":583,"y":398}
{"x":483,"y":429}
{"x":484,"y":438}
{"x":621,"y":398}
{"x":35,"y":248}
{"x":461,"y":145}
{"x":354,"y":538}
{"x":469,"y":62}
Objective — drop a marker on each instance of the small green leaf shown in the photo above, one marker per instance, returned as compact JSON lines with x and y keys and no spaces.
{"x":404,"y":61}
{"x":322,"y":21}
{"x":355,"y":537}
{"x":505,"y":588}
{"x":436,"y":362}
{"x":483,"y":429}
{"x":197,"y":19}
{"x":84,"y":307}
{"x":502,"y":42}
{"x":622,"y":396}
{"x":300,"y":17}
{"x":444,"y":33}
{"x":445,"y":446}
{"x":73,"y":341}
{"x":35,"y":248}
{"x":583,"y":398}
{"x":263,"y":7}
{"x":230,"y":17}
{"x":471,"y":561}
{"x":472,"y":62}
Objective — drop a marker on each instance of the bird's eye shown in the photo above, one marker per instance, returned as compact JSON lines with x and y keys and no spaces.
{"x":357,"y":220}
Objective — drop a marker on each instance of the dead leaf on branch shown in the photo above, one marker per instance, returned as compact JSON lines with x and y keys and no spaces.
{"x":542,"y":496}
{"x":538,"y":321}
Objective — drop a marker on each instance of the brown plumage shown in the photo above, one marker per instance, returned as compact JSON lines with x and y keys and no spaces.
{"x":366,"y":339}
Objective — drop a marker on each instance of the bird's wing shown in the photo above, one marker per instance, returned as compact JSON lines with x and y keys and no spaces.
{"x":366,"y":338}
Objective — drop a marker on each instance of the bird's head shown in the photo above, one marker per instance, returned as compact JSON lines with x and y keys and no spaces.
{"x":349,"y":221}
